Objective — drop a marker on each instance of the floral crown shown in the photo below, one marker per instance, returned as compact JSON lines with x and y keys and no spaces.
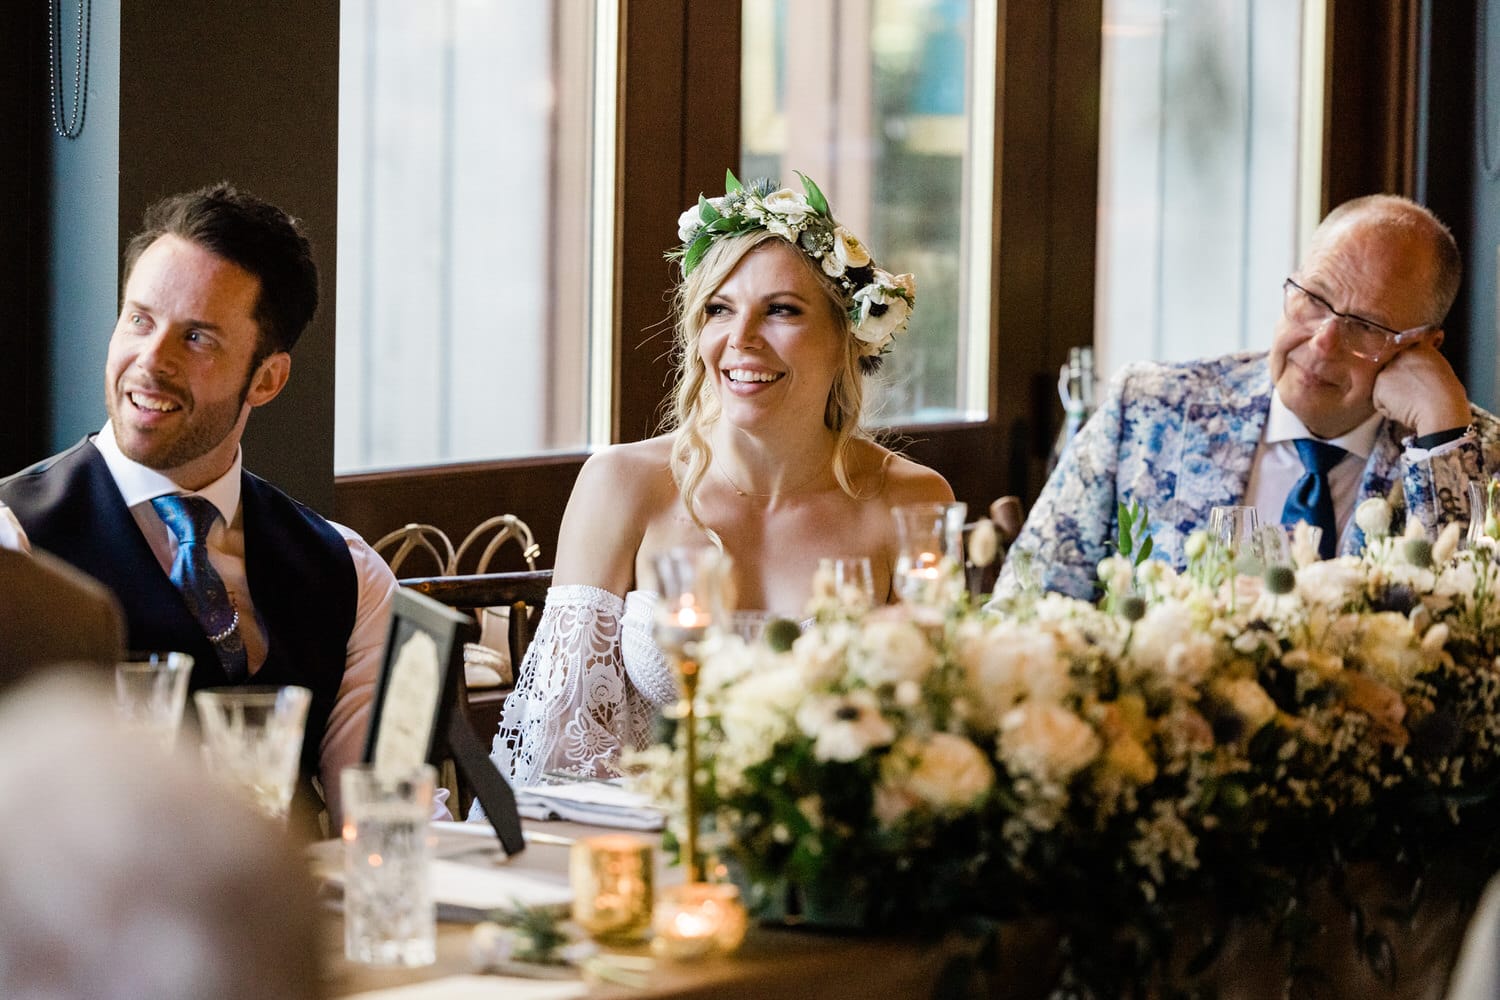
{"x":879,"y":302}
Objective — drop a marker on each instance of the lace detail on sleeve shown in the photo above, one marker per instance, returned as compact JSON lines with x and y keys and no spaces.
{"x":569,"y":711}
{"x":653,"y":683}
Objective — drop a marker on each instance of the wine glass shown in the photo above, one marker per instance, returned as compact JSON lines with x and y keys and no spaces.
{"x":1483,"y":512}
{"x":696,"y":594}
{"x":1235,"y":529}
{"x":851,"y":581}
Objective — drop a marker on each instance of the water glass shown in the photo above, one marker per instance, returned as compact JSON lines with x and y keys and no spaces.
{"x":252,"y":740}
{"x":851,"y":580}
{"x":930,"y":558}
{"x":390,"y":916}
{"x":1235,"y":529}
{"x":150,"y":692}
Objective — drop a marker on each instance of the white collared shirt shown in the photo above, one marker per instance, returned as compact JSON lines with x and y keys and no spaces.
{"x":1277,"y":465}
{"x":343,"y":740}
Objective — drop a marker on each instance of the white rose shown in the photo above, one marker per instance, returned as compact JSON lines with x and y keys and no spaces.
{"x":848,"y":249}
{"x":1165,"y":626}
{"x":1046,"y":742}
{"x":788,"y":203}
{"x":950,"y":773}
{"x":889,"y":652}
{"x":1331,"y":583}
{"x":1011,"y":662}
{"x":1373,"y":517}
{"x":756,"y":712}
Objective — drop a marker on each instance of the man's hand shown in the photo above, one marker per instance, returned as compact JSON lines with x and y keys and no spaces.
{"x":1419,"y":390}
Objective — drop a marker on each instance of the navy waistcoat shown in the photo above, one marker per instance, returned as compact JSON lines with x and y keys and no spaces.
{"x":302,"y":579}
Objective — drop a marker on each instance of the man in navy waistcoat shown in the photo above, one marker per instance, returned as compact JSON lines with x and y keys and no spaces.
{"x":219,"y":285}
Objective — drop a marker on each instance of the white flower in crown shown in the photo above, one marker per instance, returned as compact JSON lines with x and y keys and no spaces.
{"x":789,"y":204}
{"x":847,"y":252}
{"x":688,"y":223}
{"x":883,"y":307}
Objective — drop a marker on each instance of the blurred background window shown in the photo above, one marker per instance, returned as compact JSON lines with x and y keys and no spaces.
{"x":889,"y":106}
{"x":465,"y":230}
{"x":1209,"y":172}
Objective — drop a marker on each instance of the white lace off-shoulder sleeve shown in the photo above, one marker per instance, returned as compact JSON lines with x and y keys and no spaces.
{"x":570,"y":710}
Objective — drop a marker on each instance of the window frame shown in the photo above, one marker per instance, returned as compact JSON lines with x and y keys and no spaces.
{"x":678,"y":127}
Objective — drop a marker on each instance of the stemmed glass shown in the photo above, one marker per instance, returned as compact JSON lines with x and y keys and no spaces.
{"x":694,"y":588}
{"x":1484,"y":510}
{"x":1236,"y":530}
{"x":850,"y":580}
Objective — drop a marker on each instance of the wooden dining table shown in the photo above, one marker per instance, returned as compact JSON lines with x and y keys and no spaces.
{"x":775,"y":961}
{"x":789,"y":961}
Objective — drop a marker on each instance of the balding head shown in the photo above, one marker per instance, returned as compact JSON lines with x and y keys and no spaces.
{"x":1422,"y":237}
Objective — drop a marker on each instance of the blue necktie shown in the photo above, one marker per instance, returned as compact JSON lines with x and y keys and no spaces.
{"x":190,"y":519}
{"x":1311,"y":499}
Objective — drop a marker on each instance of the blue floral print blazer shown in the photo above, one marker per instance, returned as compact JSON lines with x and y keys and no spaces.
{"x":1180,"y":439}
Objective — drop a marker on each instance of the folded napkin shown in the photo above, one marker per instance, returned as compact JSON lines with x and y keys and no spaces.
{"x":599,"y":803}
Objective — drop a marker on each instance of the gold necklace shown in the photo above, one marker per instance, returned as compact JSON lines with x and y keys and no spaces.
{"x":796,"y":488}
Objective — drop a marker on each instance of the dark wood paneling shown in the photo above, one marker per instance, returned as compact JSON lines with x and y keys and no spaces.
{"x":24,"y":407}
{"x":248,"y":93}
{"x":455,"y":498}
{"x":1368,"y":136}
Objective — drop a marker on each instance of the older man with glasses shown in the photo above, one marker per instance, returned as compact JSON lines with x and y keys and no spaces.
{"x":1354,"y":400}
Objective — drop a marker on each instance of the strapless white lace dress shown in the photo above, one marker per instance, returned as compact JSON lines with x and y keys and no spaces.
{"x":589,"y":686}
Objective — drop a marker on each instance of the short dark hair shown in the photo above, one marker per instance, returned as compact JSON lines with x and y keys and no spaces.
{"x":251,"y":234}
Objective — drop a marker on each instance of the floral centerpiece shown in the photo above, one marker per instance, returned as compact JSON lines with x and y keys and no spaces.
{"x":1195,"y":735}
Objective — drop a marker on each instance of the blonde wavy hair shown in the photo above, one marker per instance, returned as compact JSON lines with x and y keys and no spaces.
{"x":695,"y":406}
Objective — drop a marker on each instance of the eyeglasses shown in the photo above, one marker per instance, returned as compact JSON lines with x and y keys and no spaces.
{"x":1363,"y":338}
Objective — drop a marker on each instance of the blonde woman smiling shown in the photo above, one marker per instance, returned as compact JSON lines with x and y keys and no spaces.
{"x":780,"y":315}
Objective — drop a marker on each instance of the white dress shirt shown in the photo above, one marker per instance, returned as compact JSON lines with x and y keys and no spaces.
{"x":348,"y":723}
{"x":1277,"y":465}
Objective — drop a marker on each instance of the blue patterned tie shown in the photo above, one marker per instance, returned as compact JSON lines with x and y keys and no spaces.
{"x":190,"y":519}
{"x":1311,"y":499}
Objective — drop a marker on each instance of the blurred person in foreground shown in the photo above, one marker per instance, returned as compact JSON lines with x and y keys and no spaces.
{"x":781,"y":315}
{"x":1354,"y":400}
{"x":127,"y":876}
{"x":203,"y":556}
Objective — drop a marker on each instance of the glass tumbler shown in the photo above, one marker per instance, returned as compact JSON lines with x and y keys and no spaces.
{"x":390,"y":916}
{"x":150,"y":693}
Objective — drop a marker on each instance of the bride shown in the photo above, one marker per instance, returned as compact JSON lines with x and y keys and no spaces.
{"x":780,"y":314}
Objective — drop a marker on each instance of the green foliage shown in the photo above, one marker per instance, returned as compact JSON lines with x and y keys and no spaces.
{"x":1134,"y":538}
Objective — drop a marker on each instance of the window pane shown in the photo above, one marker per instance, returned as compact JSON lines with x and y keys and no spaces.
{"x":1201,"y":172}
{"x":463,"y":278}
{"x":874,"y":100}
